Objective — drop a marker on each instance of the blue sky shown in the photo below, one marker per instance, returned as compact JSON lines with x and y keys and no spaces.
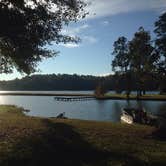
{"x":108,"y":19}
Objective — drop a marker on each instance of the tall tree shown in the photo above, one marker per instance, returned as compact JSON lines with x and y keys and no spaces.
{"x":160,"y":30}
{"x":143,"y":57}
{"x":27,"y":26}
{"x":121,"y":60}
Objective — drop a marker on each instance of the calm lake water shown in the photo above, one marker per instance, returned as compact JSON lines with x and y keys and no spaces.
{"x":106,"y":110}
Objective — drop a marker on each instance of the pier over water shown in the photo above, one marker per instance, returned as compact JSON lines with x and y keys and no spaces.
{"x":73,"y":98}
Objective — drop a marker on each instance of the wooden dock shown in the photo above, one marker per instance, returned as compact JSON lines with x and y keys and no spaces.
{"x":76,"y":98}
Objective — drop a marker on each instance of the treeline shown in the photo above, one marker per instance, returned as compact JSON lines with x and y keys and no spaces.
{"x":143,"y":56}
{"x":73,"y":82}
{"x":51,"y":82}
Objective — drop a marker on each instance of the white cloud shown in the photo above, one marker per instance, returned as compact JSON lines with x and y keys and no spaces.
{"x":70,"y":45}
{"x":105,"y":22}
{"x":163,"y":11}
{"x":78,"y":31}
{"x":74,"y":31}
{"x":100,"y":8}
{"x":89,"y":39}
{"x":105,"y":74}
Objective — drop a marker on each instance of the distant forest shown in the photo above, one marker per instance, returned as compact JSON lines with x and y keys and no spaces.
{"x":73,"y":82}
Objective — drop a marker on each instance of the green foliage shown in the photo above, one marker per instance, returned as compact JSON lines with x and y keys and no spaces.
{"x":52,"y":82}
{"x":121,"y":60}
{"x":143,"y":56}
{"x":28,"y":26}
{"x":160,"y":30}
{"x":75,"y":82}
{"x":137,"y":56}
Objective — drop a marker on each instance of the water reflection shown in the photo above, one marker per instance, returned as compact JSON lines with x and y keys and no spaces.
{"x":162,"y":109}
{"x":116,"y":111}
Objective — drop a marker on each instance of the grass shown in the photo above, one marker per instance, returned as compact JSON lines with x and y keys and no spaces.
{"x":42,"y":94}
{"x":155,"y":97}
{"x":32,"y":141}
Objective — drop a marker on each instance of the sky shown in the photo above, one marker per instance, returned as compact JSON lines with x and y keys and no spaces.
{"x":107,"y":20}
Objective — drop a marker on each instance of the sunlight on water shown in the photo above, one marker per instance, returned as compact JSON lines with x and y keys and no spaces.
{"x":3,"y":91}
{"x":2,"y":99}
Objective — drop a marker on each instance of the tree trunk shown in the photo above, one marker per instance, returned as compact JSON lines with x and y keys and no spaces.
{"x":128,"y":81}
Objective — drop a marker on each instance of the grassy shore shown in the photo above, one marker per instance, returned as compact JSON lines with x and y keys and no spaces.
{"x":32,"y":141}
{"x":43,"y":94}
{"x":153,"y":97}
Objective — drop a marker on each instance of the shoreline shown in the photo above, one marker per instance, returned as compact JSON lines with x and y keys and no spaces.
{"x":107,"y":97}
{"x":44,"y":94}
{"x":134,"y":97}
{"x":66,"y":142}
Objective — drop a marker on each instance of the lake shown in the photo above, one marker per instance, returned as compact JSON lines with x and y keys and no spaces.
{"x":104,"y":110}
